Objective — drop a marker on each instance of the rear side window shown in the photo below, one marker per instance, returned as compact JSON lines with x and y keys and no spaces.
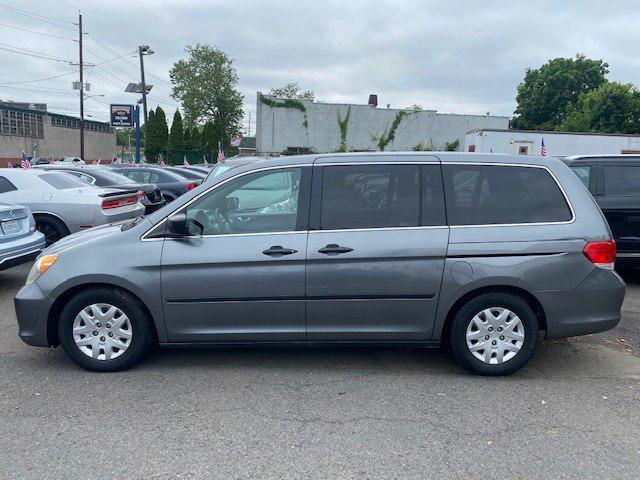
{"x":370,"y":196}
{"x":622,"y":180}
{"x":493,"y":194}
{"x":61,"y":180}
{"x":6,"y":185}
{"x":584,"y":174}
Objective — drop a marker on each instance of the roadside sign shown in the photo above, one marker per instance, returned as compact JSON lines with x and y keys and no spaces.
{"x":121,"y":115}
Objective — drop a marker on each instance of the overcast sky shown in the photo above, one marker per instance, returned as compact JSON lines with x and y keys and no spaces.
{"x":451,"y":56}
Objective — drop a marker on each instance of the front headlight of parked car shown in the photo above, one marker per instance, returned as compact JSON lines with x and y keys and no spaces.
{"x":41,"y":265}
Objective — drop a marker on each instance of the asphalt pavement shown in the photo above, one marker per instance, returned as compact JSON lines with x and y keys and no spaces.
{"x":572,"y":412}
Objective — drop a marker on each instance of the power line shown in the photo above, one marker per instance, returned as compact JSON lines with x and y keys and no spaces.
{"x":37,"y":33}
{"x":35,"y":55}
{"x":39,"y":17}
{"x":61,"y":92}
{"x":38,"y":79}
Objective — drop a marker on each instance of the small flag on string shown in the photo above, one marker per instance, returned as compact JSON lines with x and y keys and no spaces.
{"x":25,"y":163}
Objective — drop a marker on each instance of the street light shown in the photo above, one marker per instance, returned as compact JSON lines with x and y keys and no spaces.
{"x":142,"y":51}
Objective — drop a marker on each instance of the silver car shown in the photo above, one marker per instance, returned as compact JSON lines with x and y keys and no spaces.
{"x":20,"y":242}
{"x":477,"y":252}
{"x":62,"y":204}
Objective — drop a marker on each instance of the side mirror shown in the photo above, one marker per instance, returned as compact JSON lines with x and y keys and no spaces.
{"x":180,"y":226}
{"x":232,"y":204}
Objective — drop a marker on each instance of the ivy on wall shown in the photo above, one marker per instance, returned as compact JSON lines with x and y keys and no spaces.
{"x":286,"y":103}
{"x":389,"y":134}
{"x":343,"y":125}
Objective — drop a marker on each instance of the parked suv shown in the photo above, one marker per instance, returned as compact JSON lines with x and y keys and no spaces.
{"x":614,"y":181}
{"x":477,"y":252}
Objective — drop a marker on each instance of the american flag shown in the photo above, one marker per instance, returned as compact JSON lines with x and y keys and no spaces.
{"x":543,"y":151}
{"x":25,"y":163}
{"x":162,"y":164}
{"x":96,"y":162}
{"x":220,"y":154}
{"x":185,"y":162}
{"x":204,"y":160}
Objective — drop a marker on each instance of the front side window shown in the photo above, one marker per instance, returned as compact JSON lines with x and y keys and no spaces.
{"x":584,"y":174}
{"x":259,"y":202}
{"x":495,"y":194}
{"x":370,"y":196}
{"x":622,"y":180}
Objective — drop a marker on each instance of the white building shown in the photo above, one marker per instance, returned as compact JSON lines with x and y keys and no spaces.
{"x":561,"y":144}
{"x":306,"y":126}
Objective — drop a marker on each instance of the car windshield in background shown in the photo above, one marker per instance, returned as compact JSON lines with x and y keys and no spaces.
{"x":61,"y":180}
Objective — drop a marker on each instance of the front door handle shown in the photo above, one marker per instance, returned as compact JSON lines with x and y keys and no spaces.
{"x":278,"y":251}
{"x":334,"y":249}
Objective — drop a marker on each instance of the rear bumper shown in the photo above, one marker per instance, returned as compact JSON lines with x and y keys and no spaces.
{"x":594,"y":306}
{"x":32,"y":311}
{"x":104,"y":218}
{"x":21,"y":250}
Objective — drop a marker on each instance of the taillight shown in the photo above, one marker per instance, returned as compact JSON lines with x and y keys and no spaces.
{"x":601,"y":254}
{"x":120,"y":202}
{"x":191,"y":186}
{"x":141,"y":194}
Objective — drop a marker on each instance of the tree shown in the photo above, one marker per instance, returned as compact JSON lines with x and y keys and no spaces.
{"x":211,"y":136}
{"x":292,"y":91}
{"x":196,"y":139}
{"x":157,"y":135}
{"x":186,"y":140}
{"x":546,"y":92}
{"x":611,"y":108}
{"x":206,"y":85}
{"x":176,"y":136}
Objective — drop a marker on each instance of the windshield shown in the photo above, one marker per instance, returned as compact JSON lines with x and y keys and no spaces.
{"x":61,"y":180}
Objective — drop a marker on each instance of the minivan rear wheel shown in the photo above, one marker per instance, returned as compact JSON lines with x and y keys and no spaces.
{"x":104,"y":330}
{"x":494,"y":334}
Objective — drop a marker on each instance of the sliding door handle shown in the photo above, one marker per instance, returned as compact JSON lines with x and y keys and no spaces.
{"x":334,"y":249}
{"x":278,"y":251}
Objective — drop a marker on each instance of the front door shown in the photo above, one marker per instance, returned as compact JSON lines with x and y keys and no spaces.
{"x":376,"y":250}
{"x":242,"y":277}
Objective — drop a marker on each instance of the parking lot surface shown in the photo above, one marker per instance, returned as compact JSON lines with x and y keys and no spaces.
{"x":572,"y":412}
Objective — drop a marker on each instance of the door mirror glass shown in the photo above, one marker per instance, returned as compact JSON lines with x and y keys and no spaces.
{"x":180,"y":226}
{"x":232,"y":204}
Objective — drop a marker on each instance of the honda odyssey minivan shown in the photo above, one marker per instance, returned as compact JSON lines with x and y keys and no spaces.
{"x":484,"y":254}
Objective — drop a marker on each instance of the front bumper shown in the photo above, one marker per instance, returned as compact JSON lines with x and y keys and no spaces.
{"x":32,"y":311}
{"x":594,"y":306}
{"x":21,"y":250}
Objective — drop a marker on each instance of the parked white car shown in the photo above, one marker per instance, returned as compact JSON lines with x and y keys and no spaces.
{"x":62,"y":204}
{"x":20,"y":242}
{"x":70,"y":160}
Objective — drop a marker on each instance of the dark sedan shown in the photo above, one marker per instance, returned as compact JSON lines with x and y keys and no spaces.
{"x":150,"y":195}
{"x":171,"y":184}
{"x":187,"y":173}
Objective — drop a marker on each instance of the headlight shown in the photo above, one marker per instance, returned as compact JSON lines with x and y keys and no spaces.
{"x":41,"y":265}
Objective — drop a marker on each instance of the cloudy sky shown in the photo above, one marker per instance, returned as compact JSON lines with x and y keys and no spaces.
{"x":452,"y":56}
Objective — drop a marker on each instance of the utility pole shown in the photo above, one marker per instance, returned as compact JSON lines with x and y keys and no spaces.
{"x":249,"y":129}
{"x":81,"y":88}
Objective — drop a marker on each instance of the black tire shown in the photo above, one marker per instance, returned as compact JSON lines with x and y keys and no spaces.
{"x":458,"y":332}
{"x":52,"y":228}
{"x":141,"y":340}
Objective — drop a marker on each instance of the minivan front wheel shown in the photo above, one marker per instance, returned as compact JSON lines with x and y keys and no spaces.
{"x":104,"y":330}
{"x":494,"y":334}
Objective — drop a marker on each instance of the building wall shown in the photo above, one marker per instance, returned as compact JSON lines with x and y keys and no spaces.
{"x":65,"y":141}
{"x":557,"y":144}
{"x":279,"y":128}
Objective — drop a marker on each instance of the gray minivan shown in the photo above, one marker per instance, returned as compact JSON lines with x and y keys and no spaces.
{"x":477,"y":252}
